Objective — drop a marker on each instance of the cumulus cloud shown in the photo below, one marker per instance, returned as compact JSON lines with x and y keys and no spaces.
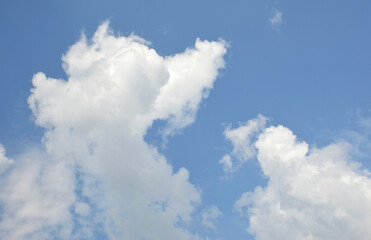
{"x":242,"y":139}
{"x":36,"y":197}
{"x":97,"y":174}
{"x":311,"y":193}
{"x":276,"y":19}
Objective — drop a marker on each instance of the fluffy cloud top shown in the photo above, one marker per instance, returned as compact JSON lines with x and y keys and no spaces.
{"x":242,"y":139}
{"x":310,"y":194}
{"x":97,"y":174}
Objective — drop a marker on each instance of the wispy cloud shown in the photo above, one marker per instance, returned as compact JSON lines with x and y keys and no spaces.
{"x":210,"y":215}
{"x":276,"y":20}
{"x":4,"y":161}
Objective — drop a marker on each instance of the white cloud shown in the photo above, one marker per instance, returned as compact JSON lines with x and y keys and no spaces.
{"x":360,"y":137}
{"x":82,"y":208}
{"x":36,"y":196}
{"x":227,"y":163}
{"x":4,"y":161}
{"x":210,"y":215}
{"x":97,"y":169}
{"x":310,"y":194}
{"x":243,"y":148}
{"x":276,"y":19}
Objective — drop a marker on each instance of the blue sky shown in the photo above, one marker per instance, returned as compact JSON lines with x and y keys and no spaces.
{"x":301,"y":64}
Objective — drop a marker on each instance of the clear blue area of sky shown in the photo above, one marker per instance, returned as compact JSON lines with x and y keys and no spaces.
{"x":311,"y":74}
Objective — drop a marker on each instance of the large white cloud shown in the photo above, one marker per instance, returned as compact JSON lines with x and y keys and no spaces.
{"x":310,"y":194}
{"x":97,"y":172}
{"x":36,"y":197}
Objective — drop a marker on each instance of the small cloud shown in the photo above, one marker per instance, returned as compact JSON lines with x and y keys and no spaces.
{"x":242,"y":139}
{"x":276,"y":19}
{"x":210,"y":215}
{"x":227,"y":163}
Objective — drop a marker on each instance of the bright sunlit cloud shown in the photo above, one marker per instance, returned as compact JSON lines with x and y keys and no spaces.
{"x":242,"y":139}
{"x":311,"y":193}
{"x":97,"y":174}
{"x":152,"y":127}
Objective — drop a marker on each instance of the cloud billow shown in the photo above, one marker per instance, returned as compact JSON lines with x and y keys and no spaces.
{"x":311,"y":193}
{"x":94,"y":125}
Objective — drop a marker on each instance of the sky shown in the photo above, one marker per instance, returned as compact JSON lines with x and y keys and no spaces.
{"x":189,"y":120}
